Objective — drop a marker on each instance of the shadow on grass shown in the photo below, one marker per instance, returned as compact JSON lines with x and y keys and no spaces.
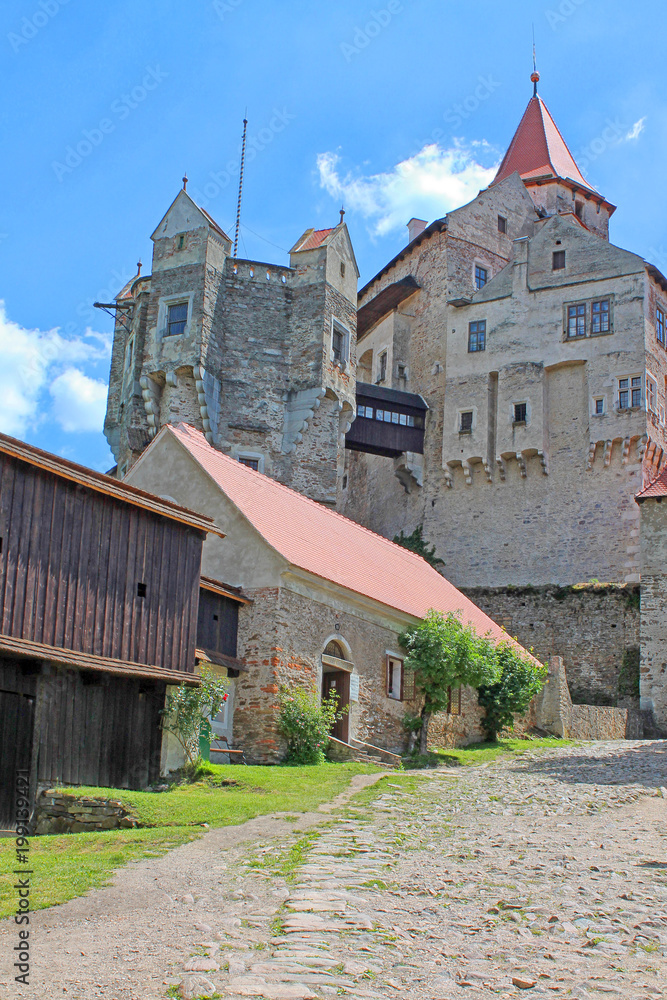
{"x":637,"y":765}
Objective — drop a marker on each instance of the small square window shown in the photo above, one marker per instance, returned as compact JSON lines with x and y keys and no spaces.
{"x":558,"y":260}
{"x":177,"y":317}
{"x":576,"y":320}
{"x":502,"y":224}
{"x":481,"y":276}
{"x":251,"y":463}
{"x":599,"y":406}
{"x":477,"y":336}
{"x":660,"y":326}
{"x":520,"y":410}
{"x":600,"y":316}
{"x":400,"y":371}
{"x":142,"y":590}
{"x":465,"y":426}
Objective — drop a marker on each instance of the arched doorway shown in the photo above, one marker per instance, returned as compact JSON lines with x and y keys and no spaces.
{"x":336,"y":669}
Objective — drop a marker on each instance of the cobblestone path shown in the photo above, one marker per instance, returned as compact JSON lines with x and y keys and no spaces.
{"x":545,"y":876}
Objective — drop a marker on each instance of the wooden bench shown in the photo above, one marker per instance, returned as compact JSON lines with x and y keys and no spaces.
{"x":235,"y":756}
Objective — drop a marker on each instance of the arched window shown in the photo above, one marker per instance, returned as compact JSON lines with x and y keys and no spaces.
{"x":334,"y":649}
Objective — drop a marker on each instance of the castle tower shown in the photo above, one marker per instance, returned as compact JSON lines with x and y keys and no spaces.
{"x":260,"y":357}
{"x":539,"y":154}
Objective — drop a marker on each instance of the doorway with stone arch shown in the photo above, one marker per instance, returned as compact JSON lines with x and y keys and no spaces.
{"x":336,"y":669}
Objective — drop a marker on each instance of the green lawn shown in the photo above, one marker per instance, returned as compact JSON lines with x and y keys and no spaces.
{"x":483,"y":753}
{"x":70,"y":865}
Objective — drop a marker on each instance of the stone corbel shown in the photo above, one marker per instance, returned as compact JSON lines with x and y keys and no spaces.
{"x":544,"y":462}
{"x":151,"y":390}
{"x":608,"y":445}
{"x":467,"y":472}
{"x":488,"y":471}
{"x":502,"y":469}
{"x":345,"y":418}
{"x":521,"y":460}
{"x":409,"y":470}
{"x":300,"y":407}
{"x":208,"y":396}
{"x":449,"y":478}
{"x":625,"y":451}
{"x":641,"y":447}
{"x":591,"y":455}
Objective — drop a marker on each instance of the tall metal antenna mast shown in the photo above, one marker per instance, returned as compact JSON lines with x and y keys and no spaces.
{"x":238,"y":206}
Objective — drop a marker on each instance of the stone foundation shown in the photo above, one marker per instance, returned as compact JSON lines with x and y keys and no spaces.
{"x":57,"y":812}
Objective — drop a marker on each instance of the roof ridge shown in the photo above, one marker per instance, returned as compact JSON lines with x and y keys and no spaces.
{"x":202,"y":442}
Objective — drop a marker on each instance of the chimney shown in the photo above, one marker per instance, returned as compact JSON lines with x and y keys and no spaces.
{"x":415,"y":227}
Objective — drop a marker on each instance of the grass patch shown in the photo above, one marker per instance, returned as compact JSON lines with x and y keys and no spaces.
{"x":284,"y":864}
{"x":70,"y":865}
{"x":483,"y":753}
{"x":229,"y":794}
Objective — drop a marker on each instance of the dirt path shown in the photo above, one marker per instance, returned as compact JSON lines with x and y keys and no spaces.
{"x":550,"y":870}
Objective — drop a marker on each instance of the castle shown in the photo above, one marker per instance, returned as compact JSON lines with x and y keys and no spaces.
{"x":502,"y":382}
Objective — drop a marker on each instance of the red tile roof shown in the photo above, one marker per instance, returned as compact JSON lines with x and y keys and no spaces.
{"x":313,"y":240}
{"x":328,"y":545}
{"x":539,"y":149}
{"x":658,"y":488}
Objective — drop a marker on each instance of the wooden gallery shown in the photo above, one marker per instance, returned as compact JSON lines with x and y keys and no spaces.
{"x":99,"y":596}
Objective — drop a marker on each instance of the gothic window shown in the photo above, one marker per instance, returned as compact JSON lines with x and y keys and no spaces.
{"x":558,"y":260}
{"x":477,"y":336}
{"x":481,"y":276}
{"x":629,"y":392}
{"x":660,"y":325}
{"x":465,"y":424}
{"x":333,"y":648}
{"x":576,"y":320}
{"x":177,"y":317}
{"x":502,"y":224}
{"x":520,"y":412}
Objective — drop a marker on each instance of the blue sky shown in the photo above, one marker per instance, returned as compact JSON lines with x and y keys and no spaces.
{"x":399,"y":108}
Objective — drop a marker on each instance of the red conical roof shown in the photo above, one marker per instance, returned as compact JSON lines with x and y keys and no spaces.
{"x":538,"y":149}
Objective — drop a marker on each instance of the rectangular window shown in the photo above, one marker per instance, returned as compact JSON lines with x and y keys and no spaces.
{"x":481,"y":276}
{"x":129,"y":353}
{"x":177,"y":317}
{"x":403,"y":419}
{"x":394,"y":418}
{"x":502,"y":224}
{"x":454,"y":700}
{"x":520,"y":410}
{"x":252,"y":463}
{"x":379,"y":414}
{"x":600,"y":316}
{"x":558,"y":260}
{"x":465,"y":426}
{"x":651,"y":394}
{"x":576,"y":321}
{"x":394,"y":678}
{"x":382,"y":367}
{"x":599,"y":406}
{"x":477,"y":336}
{"x":660,"y":326}
{"x":629,"y":392}
{"x":338,"y":344}
{"x":365,"y":411}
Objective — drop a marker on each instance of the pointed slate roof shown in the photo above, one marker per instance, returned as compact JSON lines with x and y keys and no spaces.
{"x":538,"y":149}
{"x":328,"y":545}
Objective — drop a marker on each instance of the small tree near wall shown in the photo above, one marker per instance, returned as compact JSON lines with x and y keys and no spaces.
{"x":188,"y":709}
{"x":519,"y":681}
{"x":444,"y":654}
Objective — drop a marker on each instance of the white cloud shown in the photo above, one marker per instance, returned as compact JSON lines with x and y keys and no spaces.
{"x":79,"y":402}
{"x":636,"y":129}
{"x":31,"y":361}
{"x":427,"y":185}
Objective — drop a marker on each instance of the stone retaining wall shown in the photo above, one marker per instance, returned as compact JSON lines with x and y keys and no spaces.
{"x":57,"y":812}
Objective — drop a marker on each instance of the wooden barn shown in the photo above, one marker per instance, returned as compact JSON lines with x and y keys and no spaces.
{"x":99,"y":598}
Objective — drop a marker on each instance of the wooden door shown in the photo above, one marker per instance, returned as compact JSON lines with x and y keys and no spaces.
{"x":338,"y":681}
{"x":16,"y":725}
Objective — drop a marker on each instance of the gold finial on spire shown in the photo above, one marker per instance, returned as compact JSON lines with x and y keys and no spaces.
{"x":138,"y":268}
{"x":185,"y":181}
{"x":342,"y":214}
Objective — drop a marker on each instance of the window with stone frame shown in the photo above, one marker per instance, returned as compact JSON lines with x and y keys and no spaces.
{"x":477,"y":336}
{"x":651,"y":394}
{"x":338,"y":343}
{"x":400,"y":682}
{"x":576,"y":320}
{"x":481,"y":276}
{"x":465,"y":422}
{"x":382,"y":367}
{"x":660,"y":325}
{"x":502,"y":224}
{"x":558,"y":260}
{"x":520,"y":413}
{"x":177,"y":318}
{"x":600,"y":317}
{"x":630,"y":392}
{"x":454,"y":700}
{"x":598,"y":403}
{"x":251,"y":463}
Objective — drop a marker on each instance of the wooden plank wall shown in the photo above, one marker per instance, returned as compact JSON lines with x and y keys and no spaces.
{"x":70,"y":563}
{"x":218,"y":623}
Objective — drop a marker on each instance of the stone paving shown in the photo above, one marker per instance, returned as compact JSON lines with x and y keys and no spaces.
{"x":545,"y":876}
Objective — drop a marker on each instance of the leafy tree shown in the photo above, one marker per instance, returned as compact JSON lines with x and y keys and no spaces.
{"x":415,"y":542}
{"x":188,"y":709}
{"x":306,"y":723}
{"x":444,"y":654}
{"x":519,"y":681}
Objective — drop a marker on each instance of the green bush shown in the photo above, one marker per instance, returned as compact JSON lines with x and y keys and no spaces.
{"x":188,"y":709}
{"x":520,"y":680}
{"x":306,"y":723}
